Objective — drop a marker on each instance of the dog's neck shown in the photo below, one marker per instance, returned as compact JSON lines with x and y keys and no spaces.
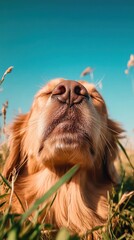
{"x":78,"y":204}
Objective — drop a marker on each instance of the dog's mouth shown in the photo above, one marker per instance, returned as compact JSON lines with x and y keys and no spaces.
{"x":67,"y":132}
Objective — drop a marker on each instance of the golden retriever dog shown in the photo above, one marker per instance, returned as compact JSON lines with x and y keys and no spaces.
{"x":67,"y":124}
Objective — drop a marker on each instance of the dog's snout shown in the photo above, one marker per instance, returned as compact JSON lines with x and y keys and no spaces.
{"x":70,"y":92}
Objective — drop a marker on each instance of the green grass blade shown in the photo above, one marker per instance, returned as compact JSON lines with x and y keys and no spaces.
{"x":5,"y":181}
{"x":12,"y":234}
{"x":9,"y":186}
{"x":124,"y":151}
{"x":63,"y":234}
{"x":4,"y":195}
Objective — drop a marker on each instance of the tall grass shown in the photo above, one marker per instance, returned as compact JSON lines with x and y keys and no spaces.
{"x":120,"y":224}
{"x":18,"y":226}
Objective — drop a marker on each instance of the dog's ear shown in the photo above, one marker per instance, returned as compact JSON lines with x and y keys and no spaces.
{"x":16,"y":132}
{"x":114,"y":134}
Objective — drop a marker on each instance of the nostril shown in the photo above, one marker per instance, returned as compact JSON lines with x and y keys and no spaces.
{"x":61,"y":93}
{"x":62,"y":89}
{"x":77,"y":90}
{"x":59,"y":90}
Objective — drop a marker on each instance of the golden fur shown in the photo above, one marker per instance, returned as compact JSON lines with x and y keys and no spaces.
{"x":56,"y":134}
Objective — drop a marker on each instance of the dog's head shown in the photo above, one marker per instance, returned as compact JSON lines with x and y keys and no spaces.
{"x":68,"y":123}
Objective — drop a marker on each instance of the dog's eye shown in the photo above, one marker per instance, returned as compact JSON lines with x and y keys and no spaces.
{"x":44,"y":94}
{"x":95,"y":95}
{"x":47,"y":93}
{"x":96,"y":98}
{"x":98,"y":102}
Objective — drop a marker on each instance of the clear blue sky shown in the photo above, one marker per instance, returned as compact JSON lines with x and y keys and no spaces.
{"x":44,"y":39}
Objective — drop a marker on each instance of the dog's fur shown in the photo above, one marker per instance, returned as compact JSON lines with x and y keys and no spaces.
{"x":51,"y":138}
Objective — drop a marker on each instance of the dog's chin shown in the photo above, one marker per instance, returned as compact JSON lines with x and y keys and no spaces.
{"x":67,"y":141}
{"x":66,"y":150}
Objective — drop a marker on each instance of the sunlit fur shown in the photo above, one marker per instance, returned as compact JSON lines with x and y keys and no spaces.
{"x":49,"y":140}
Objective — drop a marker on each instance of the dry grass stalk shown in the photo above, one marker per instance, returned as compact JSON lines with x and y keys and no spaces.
{"x":5,"y":73}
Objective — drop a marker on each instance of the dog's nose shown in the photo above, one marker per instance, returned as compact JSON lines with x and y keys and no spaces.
{"x":70,"y":92}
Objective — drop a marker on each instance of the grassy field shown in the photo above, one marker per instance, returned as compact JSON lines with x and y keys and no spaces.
{"x":120,"y":224}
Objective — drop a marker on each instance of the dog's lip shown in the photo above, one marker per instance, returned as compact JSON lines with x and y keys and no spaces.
{"x":67,"y":126}
{"x":66,"y":138}
{"x":61,"y":125}
{"x":63,"y":118}
{"x":68,"y":121}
